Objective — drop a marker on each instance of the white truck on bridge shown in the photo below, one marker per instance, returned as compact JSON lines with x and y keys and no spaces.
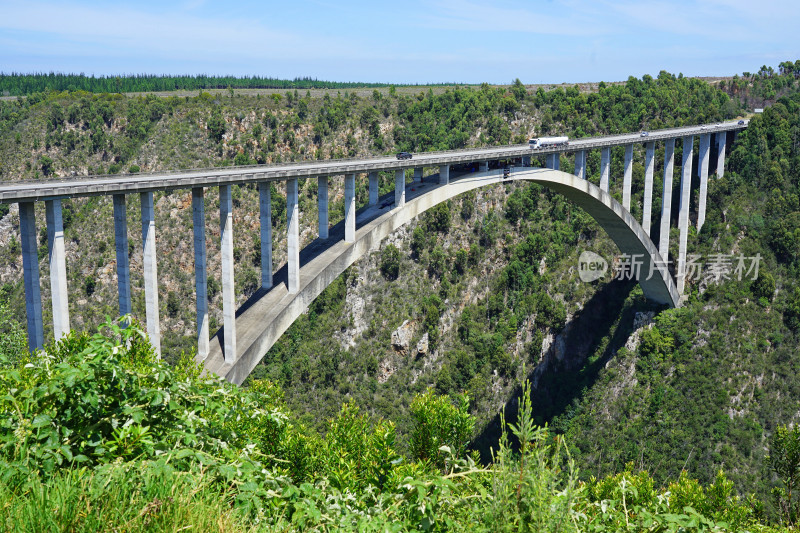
{"x":547,"y":142}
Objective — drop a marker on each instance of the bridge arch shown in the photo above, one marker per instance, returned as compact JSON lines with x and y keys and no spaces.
{"x":268,"y":314}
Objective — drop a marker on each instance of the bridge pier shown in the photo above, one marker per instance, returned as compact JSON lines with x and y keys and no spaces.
{"x":705,"y":145}
{"x":683,"y":210}
{"x":628,"y":177}
{"x":483,"y":166}
{"x":265,"y":216}
{"x":444,"y":174}
{"x":399,"y":188}
{"x":666,"y":199}
{"x":605,"y":168}
{"x":350,"y":207}
{"x":123,"y":263}
{"x":373,"y":187}
{"x":293,"y":236}
{"x":580,"y":164}
{"x":647,"y":203}
{"x":200,"y":270}
{"x":58,"y":268}
{"x":722,"y":138}
{"x":550,"y":161}
{"x":418,"y":174}
{"x":322,"y":206}
{"x":150,"y":268}
{"x":228,"y":283}
{"x":30,"y":269}
{"x":526,"y":161}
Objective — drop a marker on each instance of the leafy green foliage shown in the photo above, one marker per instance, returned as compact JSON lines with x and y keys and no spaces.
{"x":390,"y":262}
{"x":784,"y":461}
{"x":441,"y":430}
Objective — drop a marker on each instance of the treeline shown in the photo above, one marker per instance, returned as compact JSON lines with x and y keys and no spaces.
{"x":17,"y":84}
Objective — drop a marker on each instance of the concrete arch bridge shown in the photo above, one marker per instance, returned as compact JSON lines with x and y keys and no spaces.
{"x":249,"y":332}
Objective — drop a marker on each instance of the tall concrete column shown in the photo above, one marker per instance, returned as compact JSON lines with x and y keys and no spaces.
{"x":123,"y":264}
{"x":322,"y":206}
{"x":30,"y":269}
{"x":556,"y":161}
{"x":666,"y":199}
{"x":399,"y":188}
{"x":265,"y":216}
{"x":373,"y":187}
{"x":200,"y":270}
{"x":605,"y":168}
{"x":444,"y":174}
{"x":683,"y":213}
{"x":526,"y":161}
{"x":647,"y":203}
{"x":483,"y":166}
{"x":293,"y":235}
{"x":350,"y":207}
{"x":628,"y":178}
{"x":58,"y":268}
{"x":418,"y":174}
{"x":228,"y":283}
{"x":705,"y":145}
{"x":150,"y":269}
{"x":550,"y":161}
{"x":722,"y":138}
{"x":580,"y":164}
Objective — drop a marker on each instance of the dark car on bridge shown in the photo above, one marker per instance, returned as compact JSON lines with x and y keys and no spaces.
{"x":404,"y":155}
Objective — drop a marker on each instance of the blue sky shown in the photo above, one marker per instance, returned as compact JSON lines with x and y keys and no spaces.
{"x":466,"y":41}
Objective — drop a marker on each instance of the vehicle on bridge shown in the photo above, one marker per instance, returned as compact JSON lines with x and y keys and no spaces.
{"x":403,"y":155}
{"x":548,"y":142}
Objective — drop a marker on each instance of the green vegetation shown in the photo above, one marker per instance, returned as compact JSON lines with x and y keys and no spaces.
{"x":24,"y":84}
{"x":97,"y":434}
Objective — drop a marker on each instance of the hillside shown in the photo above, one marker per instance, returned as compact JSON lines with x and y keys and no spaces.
{"x":489,"y":278}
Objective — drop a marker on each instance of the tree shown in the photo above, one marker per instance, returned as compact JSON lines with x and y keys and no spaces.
{"x":46,"y":164}
{"x":784,"y":460}
{"x":390,"y":262}
{"x":440,"y":429}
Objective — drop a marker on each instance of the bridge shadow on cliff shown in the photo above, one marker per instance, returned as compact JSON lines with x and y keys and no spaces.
{"x":559,"y":384}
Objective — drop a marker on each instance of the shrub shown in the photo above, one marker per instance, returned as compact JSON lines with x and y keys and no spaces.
{"x":441,"y":431}
{"x":390,"y":262}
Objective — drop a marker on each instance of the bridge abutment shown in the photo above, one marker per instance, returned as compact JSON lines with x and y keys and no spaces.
{"x":265,"y":219}
{"x":30,"y":269}
{"x":373,"y":187}
{"x":200,"y":270}
{"x":293,"y":236}
{"x":605,"y":168}
{"x":705,"y":145}
{"x":444,"y":174}
{"x":150,"y":269}
{"x":683,"y":210}
{"x":666,"y":199}
{"x":399,"y":188}
{"x":322,"y":206}
{"x":350,"y":207}
{"x":580,"y":164}
{"x":228,"y":283}
{"x":628,"y":177}
{"x":647,"y":202}
{"x":58,"y":267}
{"x":123,"y":263}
